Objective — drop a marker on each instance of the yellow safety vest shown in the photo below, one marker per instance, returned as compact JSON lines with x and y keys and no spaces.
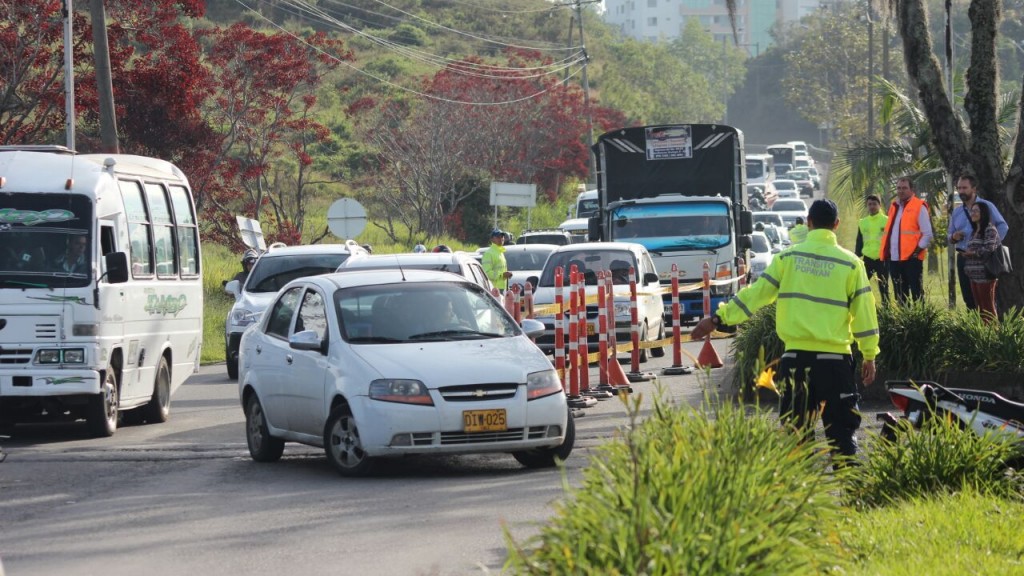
{"x":495,"y":266}
{"x":824,"y":299}
{"x":872,"y":228}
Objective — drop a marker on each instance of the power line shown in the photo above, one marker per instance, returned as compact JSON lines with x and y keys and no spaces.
{"x":390,"y":83}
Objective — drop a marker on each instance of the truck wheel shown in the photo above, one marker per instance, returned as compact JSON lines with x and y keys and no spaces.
{"x":101,"y":413}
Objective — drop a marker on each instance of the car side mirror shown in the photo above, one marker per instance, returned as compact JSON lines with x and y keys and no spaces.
{"x":532,"y":328}
{"x":307,"y":340}
{"x":232,"y":288}
{"x":533,"y":281}
{"x":651,"y":278}
{"x":776,"y":250}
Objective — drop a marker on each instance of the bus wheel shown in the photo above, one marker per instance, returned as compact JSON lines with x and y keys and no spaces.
{"x":101,"y":415}
{"x":159,"y":407}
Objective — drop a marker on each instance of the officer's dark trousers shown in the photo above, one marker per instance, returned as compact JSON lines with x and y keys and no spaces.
{"x":907,"y":278}
{"x":809,"y":378}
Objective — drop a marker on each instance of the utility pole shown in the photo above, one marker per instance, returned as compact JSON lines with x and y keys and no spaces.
{"x":886,"y":132}
{"x":592,"y":163}
{"x":104,"y":83}
{"x":69,"y":77}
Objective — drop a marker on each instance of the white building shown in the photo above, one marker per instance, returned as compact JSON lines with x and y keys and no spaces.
{"x":654,"y":20}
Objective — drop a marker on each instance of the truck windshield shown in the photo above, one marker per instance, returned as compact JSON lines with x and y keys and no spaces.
{"x":587,"y":208}
{"x":673,"y":226}
{"x":45,"y":240}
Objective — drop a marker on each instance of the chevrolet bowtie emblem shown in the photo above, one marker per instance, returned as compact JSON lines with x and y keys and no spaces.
{"x":479,"y":393}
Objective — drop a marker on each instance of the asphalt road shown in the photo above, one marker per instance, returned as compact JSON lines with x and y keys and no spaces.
{"x":184,"y":496}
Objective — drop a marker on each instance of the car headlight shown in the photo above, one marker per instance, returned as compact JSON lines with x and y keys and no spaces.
{"x":541,"y":384}
{"x":243,"y":317}
{"x":400,"y":390}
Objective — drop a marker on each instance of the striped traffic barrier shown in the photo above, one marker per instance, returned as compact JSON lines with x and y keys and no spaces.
{"x":677,"y":346}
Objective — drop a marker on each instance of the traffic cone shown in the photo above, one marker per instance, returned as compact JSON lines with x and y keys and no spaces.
{"x":617,"y":377}
{"x":708,"y":357}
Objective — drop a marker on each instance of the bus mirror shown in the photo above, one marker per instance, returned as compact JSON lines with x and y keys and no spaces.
{"x":117,"y":267}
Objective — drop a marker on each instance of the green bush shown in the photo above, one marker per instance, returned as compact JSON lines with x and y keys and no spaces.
{"x":688,"y":491}
{"x":919,"y":341}
{"x":939,"y":458}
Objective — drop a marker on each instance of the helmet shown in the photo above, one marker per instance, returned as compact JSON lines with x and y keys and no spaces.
{"x":419,"y":248}
{"x":250,"y":256}
{"x":441,"y":248}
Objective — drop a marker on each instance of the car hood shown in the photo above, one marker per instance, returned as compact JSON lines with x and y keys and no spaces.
{"x":255,"y":301}
{"x":438,"y":364}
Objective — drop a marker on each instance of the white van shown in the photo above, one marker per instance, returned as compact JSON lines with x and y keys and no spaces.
{"x":101,"y":293}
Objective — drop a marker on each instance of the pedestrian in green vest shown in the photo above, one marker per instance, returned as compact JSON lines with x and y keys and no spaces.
{"x":870,"y":230}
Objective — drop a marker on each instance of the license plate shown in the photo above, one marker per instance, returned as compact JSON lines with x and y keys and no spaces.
{"x":484,"y":420}
{"x":591,"y":330}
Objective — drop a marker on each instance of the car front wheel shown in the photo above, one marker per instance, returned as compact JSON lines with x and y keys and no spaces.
{"x":343,"y":446}
{"x":546,"y":457}
{"x":262,"y":446}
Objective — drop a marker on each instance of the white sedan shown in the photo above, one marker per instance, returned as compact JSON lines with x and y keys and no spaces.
{"x":790,"y":210}
{"x":394,"y":362}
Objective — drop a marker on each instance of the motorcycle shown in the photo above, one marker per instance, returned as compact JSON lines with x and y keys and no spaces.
{"x":978,"y":410}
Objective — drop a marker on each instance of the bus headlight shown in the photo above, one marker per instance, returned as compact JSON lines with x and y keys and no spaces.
{"x":59,"y":356}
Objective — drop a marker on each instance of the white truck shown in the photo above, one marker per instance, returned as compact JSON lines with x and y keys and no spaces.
{"x":681,"y":191}
{"x":578,"y":223}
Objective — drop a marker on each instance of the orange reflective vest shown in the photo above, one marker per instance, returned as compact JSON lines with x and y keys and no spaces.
{"x":910,"y":231}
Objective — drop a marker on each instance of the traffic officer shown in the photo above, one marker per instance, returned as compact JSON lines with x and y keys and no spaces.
{"x":824,"y":304}
{"x":870,"y":230}
{"x":493,"y":261}
{"x":798,"y":233}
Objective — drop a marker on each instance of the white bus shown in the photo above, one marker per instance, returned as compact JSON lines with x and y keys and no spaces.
{"x":101,"y":296}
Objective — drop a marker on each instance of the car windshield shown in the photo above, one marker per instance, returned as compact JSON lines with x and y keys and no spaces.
{"x":789,"y":206}
{"x":525,"y":260}
{"x":767,"y":217}
{"x":45,"y":240}
{"x":588,"y":262}
{"x":272,"y":272}
{"x":785,"y":185}
{"x":559,"y":239}
{"x":797,"y":175}
{"x":420,"y":312}
{"x":673,"y":226}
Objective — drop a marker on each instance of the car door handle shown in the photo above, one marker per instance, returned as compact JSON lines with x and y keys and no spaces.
{"x":259,"y":349}
{"x":288,"y":358}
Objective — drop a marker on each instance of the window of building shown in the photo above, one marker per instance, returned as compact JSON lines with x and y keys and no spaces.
{"x":652,"y":21}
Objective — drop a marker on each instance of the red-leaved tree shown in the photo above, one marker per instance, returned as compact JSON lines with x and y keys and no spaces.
{"x":480,"y":123}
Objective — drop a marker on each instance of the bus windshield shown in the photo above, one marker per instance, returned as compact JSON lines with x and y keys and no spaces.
{"x":45,"y":240}
{"x":673,"y":226}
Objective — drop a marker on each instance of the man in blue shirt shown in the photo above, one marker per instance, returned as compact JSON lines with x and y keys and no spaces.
{"x":960,"y":230}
